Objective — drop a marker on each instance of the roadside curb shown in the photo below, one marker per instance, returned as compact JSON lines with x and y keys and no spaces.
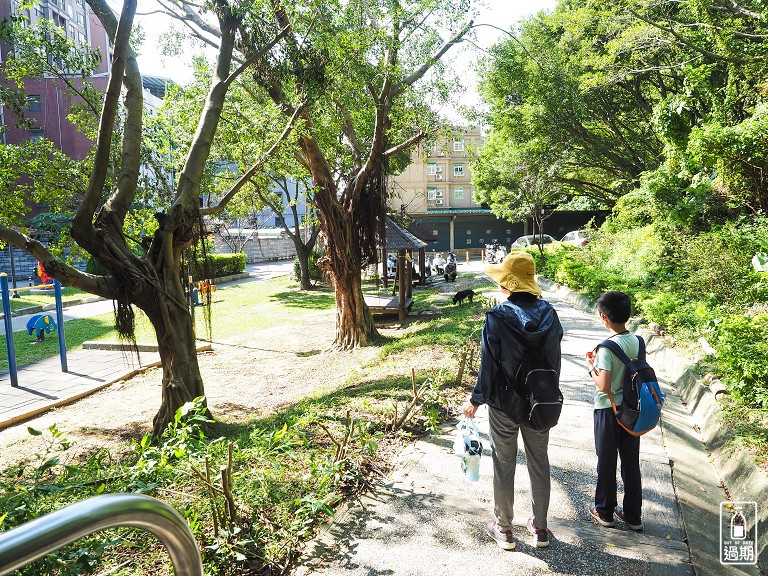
{"x":736,"y":467}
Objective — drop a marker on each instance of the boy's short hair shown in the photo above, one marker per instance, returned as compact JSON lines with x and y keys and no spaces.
{"x":616,"y":306}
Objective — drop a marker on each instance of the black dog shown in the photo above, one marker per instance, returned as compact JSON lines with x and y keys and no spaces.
{"x":462,"y":294}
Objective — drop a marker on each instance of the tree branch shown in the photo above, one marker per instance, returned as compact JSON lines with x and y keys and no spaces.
{"x":692,"y":46}
{"x":253,"y":170}
{"x":257,"y":56}
{"x":419,"y":73}
{"x":99,"y":285}
{"x":407,"y":144}
{"x":83,"y":220}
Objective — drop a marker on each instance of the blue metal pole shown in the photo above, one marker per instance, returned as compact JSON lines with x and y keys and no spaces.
{"x":60,"y":322}
{"x":9,"y":330}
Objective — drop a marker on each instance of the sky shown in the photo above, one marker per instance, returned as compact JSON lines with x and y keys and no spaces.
{"x":500,"y":13}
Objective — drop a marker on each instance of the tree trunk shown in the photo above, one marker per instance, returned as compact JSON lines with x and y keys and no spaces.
{"x":302,"y":254}
{"x":182,"y":381}
{"x":354,"y":321}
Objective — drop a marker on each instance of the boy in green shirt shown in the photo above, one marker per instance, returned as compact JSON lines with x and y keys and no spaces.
{"x":611,"y":440}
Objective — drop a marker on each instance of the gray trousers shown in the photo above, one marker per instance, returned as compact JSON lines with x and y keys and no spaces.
{"x":504,"y":438}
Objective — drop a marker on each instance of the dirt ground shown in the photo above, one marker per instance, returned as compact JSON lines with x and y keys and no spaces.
{"x":242,"y":380}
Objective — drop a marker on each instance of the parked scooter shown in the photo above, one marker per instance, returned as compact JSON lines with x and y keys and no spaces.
{"x":501,"y":253}
{"x":450,"y":268}
{"x":427,"y":267}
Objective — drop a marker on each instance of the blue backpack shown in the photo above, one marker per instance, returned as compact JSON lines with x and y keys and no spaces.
{"x":640,"y":410}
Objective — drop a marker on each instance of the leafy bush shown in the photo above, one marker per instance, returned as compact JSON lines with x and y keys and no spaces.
{"x":718,"y":262}
{"x":742,"y":359}
{"x":217,"y":265}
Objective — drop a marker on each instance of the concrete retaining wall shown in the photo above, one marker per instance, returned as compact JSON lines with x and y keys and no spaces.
{"x":262,"y":249}
{"x":738,"y":471}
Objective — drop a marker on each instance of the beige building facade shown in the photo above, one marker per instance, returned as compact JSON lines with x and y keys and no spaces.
{"x":438,"y":177}
{"x":436,"y":191}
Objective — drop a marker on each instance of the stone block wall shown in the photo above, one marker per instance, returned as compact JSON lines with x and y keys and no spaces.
{"x":262,"y":249}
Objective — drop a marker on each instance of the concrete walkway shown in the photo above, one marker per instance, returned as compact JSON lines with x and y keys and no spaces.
{"x":43,"y":385}
{"x":427,"y":519}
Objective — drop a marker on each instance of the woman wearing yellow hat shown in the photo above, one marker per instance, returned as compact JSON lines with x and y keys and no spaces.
{"x":524,"y":322}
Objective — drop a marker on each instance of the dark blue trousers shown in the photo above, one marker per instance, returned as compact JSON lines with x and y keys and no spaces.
{"x":611,"y":440}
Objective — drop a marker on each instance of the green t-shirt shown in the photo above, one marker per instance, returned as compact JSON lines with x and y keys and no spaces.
{"x":606,"y":360}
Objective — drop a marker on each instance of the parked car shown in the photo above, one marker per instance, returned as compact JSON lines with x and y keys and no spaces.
{"x":532,"y":240}
{"x":577,"y":237}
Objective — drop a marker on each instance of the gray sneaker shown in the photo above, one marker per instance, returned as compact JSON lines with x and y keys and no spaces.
{"x":540,"y":535}
{"x":503,"y":538}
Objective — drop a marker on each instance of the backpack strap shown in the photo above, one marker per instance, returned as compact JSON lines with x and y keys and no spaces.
{"x":621,"y":355}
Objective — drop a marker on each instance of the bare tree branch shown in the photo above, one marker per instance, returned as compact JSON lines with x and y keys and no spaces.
{"x":406,"y":144}
{"x":739,"y":10}
{"x":419,"y":73}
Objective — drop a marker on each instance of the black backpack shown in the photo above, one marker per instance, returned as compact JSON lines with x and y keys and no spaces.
{"x":640,"y":409}
{"x":534,"y":398}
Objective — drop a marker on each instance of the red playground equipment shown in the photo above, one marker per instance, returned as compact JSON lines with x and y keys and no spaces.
{"x":44,"y":278}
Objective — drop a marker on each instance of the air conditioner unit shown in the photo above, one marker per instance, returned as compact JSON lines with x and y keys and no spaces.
{"x":439,"y":177}
{"x":438,"y":194}
{"x":439,"y":201}
{"x":441,"y":153}
{"x":439,"y":169}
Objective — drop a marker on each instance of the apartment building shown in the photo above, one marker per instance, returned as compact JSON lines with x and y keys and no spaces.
{"x":48,"y":98}
{"x":436,"y":191}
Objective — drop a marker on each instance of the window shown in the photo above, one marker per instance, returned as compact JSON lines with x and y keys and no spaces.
{"x":36,"y":134}
{"x":469,"y":241}
{"x":81,"y":38}
{"x":469,"y":232}
{"x":39,"y":12}
{"x":431,"y":193}
{"x":81,"y":19}
{"x":458,"y":145}
{"x":72,"y":33}
{"x":434,"y":232}
{"x":79,"y":2}
{"x":33,"y":103}
{"x":431,"y":169}
{"x":458,"y":169}
{"x":488,"y":232}
{"x":70,"y":10}
{"x":458,"y":193}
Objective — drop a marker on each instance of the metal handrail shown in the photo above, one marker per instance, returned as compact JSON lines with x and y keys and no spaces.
{"x":39,"y":537}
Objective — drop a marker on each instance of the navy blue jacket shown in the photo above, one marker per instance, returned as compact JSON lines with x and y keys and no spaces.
{"x":510,"y":328}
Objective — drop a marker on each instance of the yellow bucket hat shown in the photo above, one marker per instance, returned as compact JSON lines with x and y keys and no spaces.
{"x":515,"y":273}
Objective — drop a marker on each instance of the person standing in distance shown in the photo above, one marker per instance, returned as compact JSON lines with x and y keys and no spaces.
{"x":522,"y":322}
